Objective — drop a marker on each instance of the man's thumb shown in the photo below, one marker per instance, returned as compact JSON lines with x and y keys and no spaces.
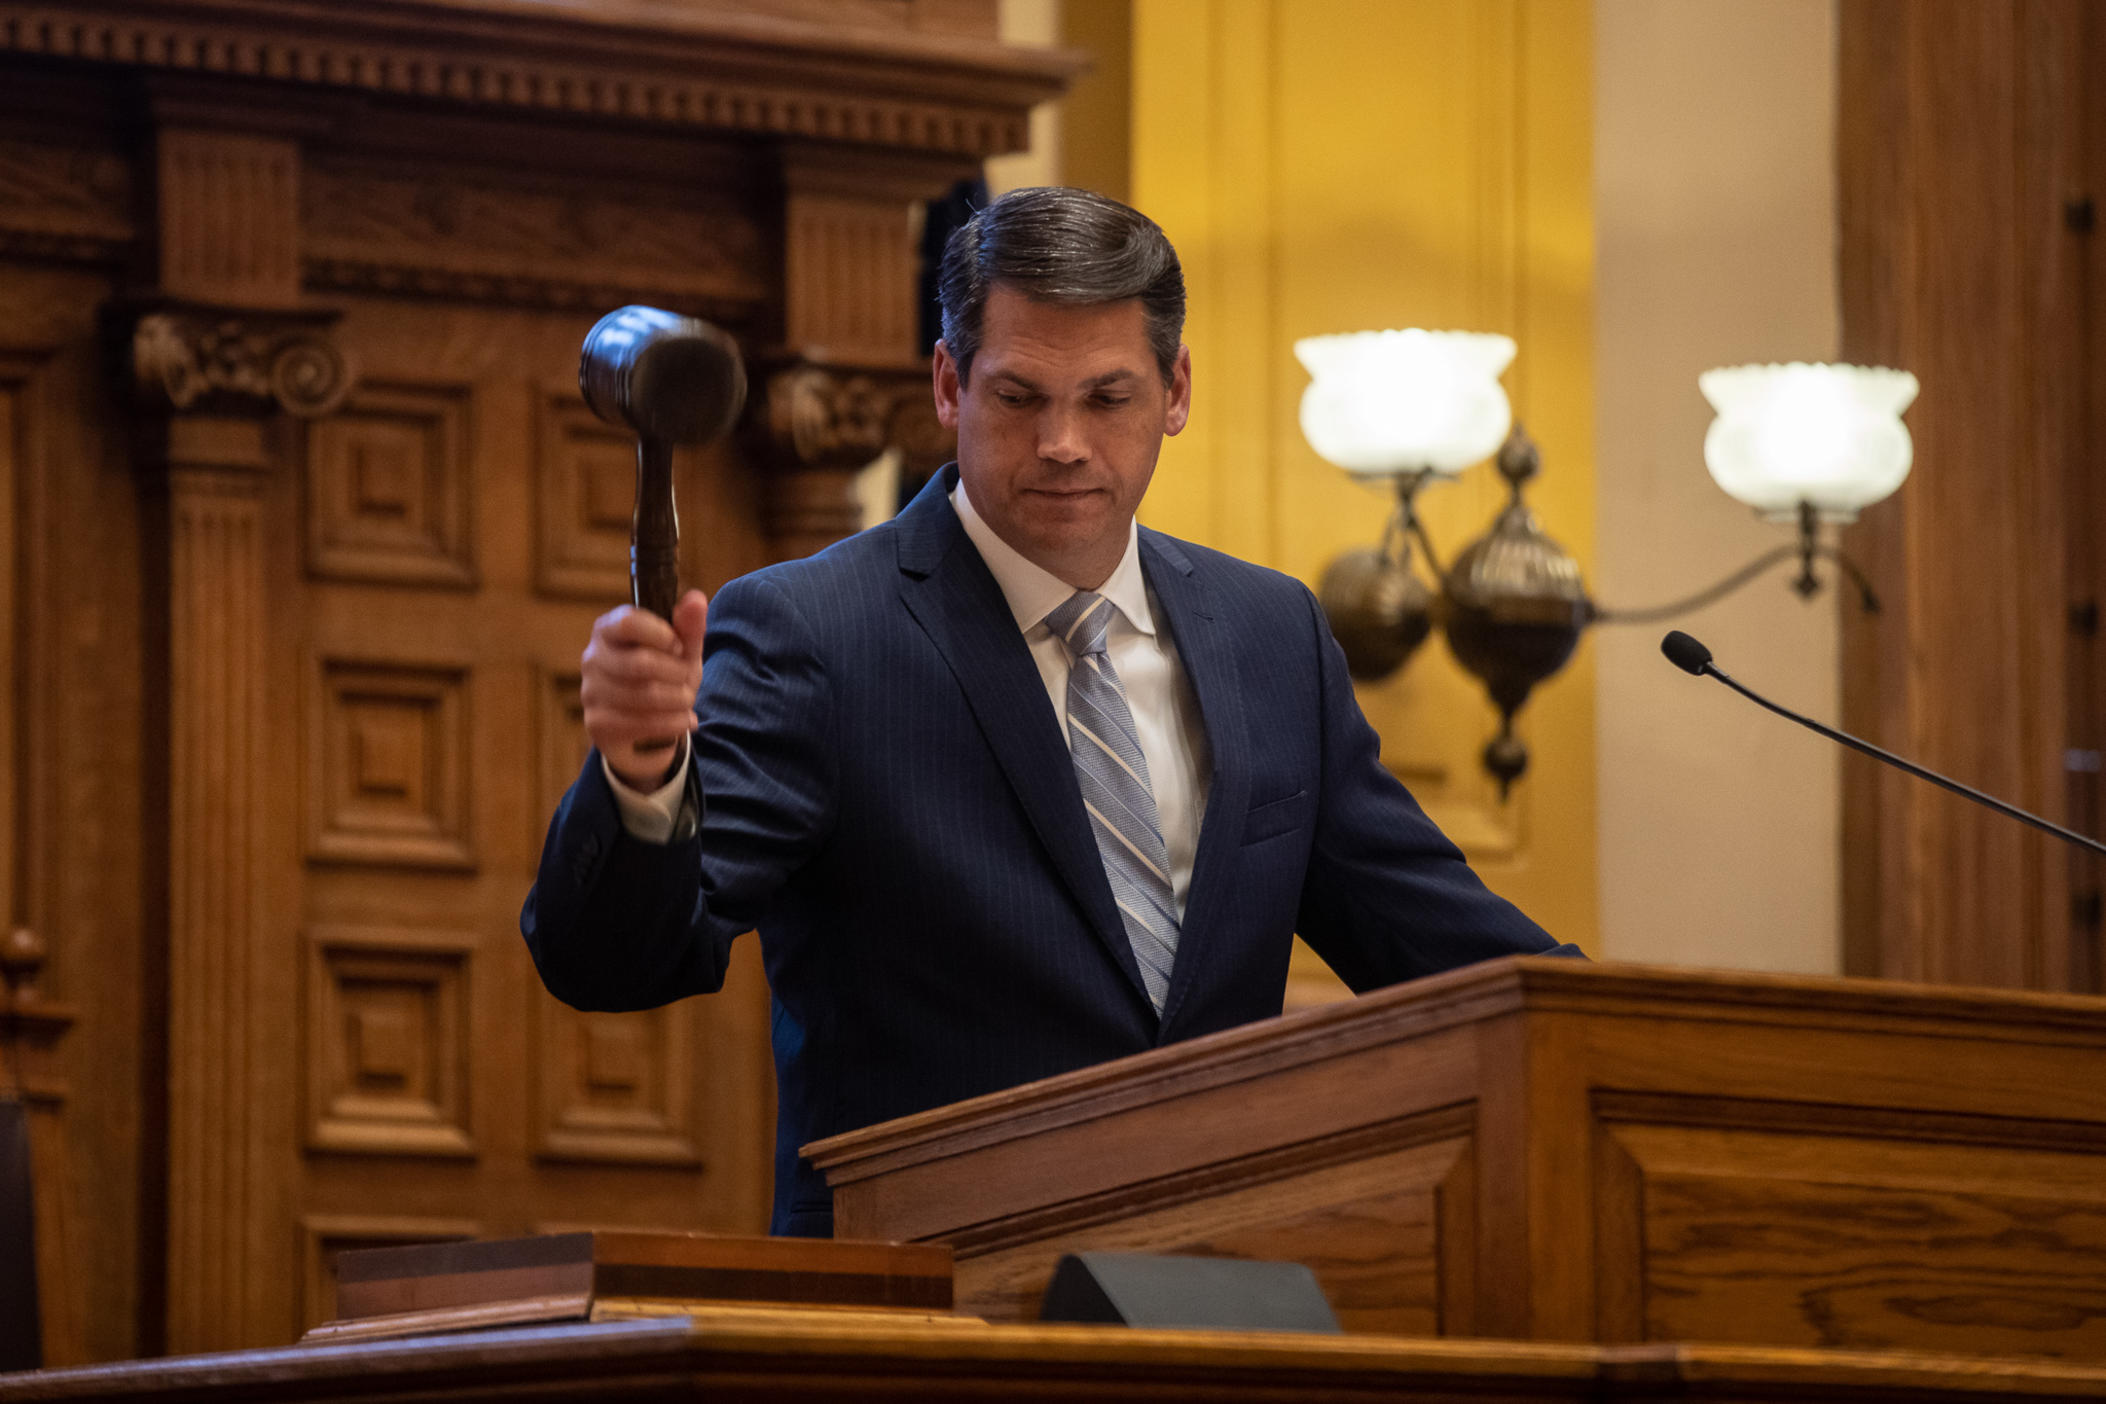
{"x":690,"y":618}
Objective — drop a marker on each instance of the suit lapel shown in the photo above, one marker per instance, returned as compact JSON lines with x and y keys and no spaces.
{"x":953,"y":596}
{"x":1205,"y":651}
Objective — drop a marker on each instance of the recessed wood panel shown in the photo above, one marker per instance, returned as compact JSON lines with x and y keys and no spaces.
{"x":616,"y":1088}
{"x":388,"y":487}
{"x":389,"y":1052}
{"x":1855,"y":1242}
{"x":1384,"y":1233}
{"x":560,"y":741}
{"x":585,"y":490}
{"x":389,"y":776}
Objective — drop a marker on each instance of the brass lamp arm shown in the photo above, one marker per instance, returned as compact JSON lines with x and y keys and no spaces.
{"x":1405,"y":520}
{"x":1867,"y":600}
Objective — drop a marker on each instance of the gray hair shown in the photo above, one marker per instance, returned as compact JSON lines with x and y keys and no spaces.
{"x":1053,"y":243}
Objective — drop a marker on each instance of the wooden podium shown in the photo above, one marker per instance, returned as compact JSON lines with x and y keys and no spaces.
{"x":1551,"y":1150}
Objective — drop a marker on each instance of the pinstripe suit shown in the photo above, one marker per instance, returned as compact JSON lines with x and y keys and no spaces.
{"x":886,"y":796}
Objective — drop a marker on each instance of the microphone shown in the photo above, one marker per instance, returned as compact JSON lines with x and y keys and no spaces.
{"x":1693,"y":658}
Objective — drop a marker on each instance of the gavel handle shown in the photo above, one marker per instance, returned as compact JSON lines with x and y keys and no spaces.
{"x":654,"y":543}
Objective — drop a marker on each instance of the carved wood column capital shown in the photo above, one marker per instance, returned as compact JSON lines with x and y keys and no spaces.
{"x":820,"y":425}
{"x":818,"y":415}
{"x":200,"y":359}
{"x":852,"y":381}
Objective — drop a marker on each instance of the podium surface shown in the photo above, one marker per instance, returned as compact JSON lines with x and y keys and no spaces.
{"x":814,"y":1356}
{"x":1551,"y":1150}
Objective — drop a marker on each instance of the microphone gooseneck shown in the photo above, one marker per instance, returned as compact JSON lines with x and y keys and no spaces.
{"x":1692,"y":657}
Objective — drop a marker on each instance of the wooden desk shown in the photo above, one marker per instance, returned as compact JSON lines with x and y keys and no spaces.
{"x":810,"y":1356}
{"x":1551,"y":1150}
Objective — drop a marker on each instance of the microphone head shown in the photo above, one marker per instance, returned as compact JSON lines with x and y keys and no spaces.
{"x":1686,"y":653}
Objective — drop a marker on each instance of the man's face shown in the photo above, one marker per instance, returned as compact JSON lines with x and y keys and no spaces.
{"x":1060,"y":425}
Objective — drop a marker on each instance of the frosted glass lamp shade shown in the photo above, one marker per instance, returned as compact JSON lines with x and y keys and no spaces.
{"x":1381,"y":403}
{"x":1824,"y":434}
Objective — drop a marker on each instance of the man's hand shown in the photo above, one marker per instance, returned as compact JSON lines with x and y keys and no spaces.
{"x":639,"y":680}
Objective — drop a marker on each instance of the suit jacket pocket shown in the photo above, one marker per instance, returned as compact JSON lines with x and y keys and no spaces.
{"x":1276,"y":817}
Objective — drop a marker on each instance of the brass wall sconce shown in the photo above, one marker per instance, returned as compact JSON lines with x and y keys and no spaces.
{"x":1806,"y":444}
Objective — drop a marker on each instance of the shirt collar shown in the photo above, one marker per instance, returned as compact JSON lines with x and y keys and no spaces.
{"x":1033,"y":592}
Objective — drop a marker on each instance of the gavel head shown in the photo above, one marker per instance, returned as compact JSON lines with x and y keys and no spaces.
{"x":672,"y":379}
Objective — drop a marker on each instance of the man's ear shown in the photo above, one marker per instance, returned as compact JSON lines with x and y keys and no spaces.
{"x":945,"y":373}
{"x":1178,"y":409}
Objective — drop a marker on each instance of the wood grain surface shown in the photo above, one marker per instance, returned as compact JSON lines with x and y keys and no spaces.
{"x":799,"y":1356}
{"x":291,"y":600}
{"x":1552,"y":1150}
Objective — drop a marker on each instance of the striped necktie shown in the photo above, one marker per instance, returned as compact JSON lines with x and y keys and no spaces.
{"x":1115,"y":791}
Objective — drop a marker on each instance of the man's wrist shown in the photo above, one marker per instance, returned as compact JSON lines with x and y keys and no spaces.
{"x":651,"y":815}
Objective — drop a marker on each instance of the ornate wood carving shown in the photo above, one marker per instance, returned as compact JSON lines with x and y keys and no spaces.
{"x":63,"y":200}
{"x":687,"y":67}
{"x":388,"y":495}
{"x":537,"y":240}
{"x":236,"y":167}
{"x":390,"y":1053}
{"x":187,"y":357}
{"x":388,"y":770}
{"x":824,"y":423}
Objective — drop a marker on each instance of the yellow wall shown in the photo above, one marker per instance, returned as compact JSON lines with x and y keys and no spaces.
{"x":1326,"y":166}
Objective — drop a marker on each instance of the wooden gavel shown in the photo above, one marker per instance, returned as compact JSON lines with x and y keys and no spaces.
{"x":673,"y":380}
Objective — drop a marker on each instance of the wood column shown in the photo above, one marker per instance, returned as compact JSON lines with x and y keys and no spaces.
{"x":849,"y":382}
{"x":217,"y":357}
{"x":1960,"y":151}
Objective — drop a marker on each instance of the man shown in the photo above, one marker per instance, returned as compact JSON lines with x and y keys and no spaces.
{"x":1007,"y":785}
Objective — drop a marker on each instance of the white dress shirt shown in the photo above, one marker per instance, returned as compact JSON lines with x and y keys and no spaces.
{"x":1165,"y":710}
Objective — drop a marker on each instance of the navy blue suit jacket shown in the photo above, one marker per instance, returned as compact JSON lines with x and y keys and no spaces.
{"x":886,"y":795}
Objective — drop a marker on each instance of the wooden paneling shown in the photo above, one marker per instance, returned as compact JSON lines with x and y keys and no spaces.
{"x":220,"y":1023}
{"x":584,"y":486}
{"x":1961,"y":142}
{"x":228,"y":211}
{"x":616,"y":1089}
{"x":1550,"y":1150}
{"x":389,"y":776}
{"x":390,"y":1061}
{"x":296,"y":596}
{"x":387,"y":492}
{"x":1382,"y":1228}
{"x":1860,"y":1242}
{"x":73,"y":807}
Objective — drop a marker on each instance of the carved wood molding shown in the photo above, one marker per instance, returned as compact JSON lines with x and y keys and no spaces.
{"x":64,"y":200}
{"x":209,"y":379}
{"x":824,"y":416}
{"x":1454,"y":1124}
{"x":191,"y":358}
{"x":692,"y":68}
{"x":819,"y":425}
{"x":216,"y":610}
{"x":396,"y":229}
